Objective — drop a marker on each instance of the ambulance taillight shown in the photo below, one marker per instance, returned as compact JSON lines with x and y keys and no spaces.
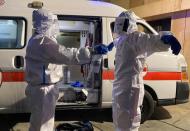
{"x":184,"y":74}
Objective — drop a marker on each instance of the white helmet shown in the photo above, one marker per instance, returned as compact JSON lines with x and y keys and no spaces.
{"x":125,"y":23}
{"x":45,"y":23}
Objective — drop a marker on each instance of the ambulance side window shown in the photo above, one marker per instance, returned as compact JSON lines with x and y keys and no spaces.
{"x":112,"y":24}
{"x":12,"y":33}
{"x":141,"y":28}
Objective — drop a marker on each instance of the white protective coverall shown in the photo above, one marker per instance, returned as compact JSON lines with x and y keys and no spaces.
{"x":43,"y":68}
{"x":132,"y":48}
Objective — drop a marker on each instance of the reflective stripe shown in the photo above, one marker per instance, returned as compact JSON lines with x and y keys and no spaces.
{"x":13,"y":76}
{"x":109,"y":75}
{"x":163,"y":76}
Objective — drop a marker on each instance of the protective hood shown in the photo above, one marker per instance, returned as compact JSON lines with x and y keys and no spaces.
{"x":45,"y":23}
{"x":125,"y":23}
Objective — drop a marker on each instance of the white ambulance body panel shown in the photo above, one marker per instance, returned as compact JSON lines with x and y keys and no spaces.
{"x":12,"y":97}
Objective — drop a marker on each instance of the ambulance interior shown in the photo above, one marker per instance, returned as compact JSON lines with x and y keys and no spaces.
{"x":80,"y":86}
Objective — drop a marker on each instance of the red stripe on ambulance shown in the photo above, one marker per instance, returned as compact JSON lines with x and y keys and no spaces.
{"x":109,"y":75}
{"x":162,"y":76}
{"x":12,"y":76}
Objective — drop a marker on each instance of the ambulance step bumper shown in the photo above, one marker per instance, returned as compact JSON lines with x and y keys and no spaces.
{"x":182,"y":92}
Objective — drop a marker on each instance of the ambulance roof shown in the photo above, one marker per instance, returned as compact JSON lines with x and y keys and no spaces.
{"x":64,"y":7}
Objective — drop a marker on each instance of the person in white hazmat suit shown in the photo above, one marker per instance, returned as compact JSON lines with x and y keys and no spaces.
{"x":132,"y":48}
{"x":44,"y":57}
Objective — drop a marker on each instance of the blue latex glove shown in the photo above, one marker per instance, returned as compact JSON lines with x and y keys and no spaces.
{"x":101,"y":49}
{"x":77,"y":84}
{"x":110,"y":46}
{"x":171,"y":40}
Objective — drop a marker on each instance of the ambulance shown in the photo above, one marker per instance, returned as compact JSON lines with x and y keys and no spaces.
{"x":82,"y":23}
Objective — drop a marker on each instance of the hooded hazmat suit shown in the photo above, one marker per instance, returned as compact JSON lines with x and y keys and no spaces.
{"x":132,"y":48}
{"x":43,"y":68}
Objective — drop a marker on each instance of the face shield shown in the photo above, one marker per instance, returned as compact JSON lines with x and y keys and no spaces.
{"x":45,"y":23}
{"x":53,"y":30}
{"x":125,"y":23}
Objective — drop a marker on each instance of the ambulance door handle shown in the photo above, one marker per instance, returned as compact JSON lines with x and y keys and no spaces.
{"x":19,"y":61}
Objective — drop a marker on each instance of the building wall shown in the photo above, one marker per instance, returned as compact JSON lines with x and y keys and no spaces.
{"x":187,"y":37}
{"x":130,"y":3}
{"x":161,"y":8}
{"x":123,"y":3}
{"x":186,"y":33}
{"x":180,"y":27}
{"x":135,"y":3}
{"x":179,"y":18}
